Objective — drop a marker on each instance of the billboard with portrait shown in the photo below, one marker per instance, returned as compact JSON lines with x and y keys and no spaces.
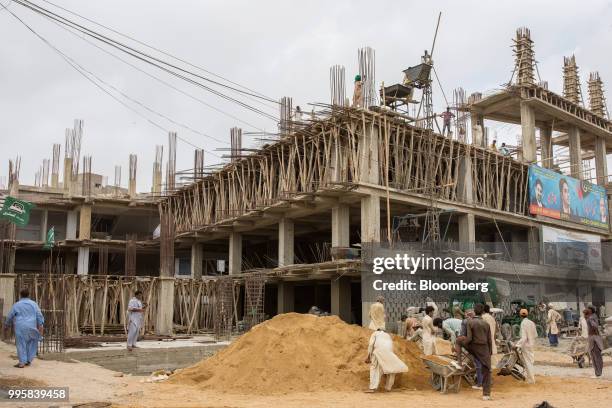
{"x":558,"y":196}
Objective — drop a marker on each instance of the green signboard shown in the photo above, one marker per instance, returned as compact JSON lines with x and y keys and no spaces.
{"x":16,"y":211}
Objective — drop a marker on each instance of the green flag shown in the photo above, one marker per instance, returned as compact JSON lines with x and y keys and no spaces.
{"x":16,"y":211}
{"x":50,"y":241}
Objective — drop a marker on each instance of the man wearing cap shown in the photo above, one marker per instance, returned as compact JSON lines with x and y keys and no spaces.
{"x":358,"y":92}
{"x":526,"y":343}
{"x":551,"y":325}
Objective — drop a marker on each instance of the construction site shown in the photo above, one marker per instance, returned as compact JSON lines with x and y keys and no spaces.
{"x":252,"y":270}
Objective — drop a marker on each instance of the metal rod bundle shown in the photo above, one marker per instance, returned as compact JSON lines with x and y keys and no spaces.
{"x":337,"y":84}
{"x":367,"y":70}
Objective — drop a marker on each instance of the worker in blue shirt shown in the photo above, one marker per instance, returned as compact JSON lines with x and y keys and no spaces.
{"x":28,"y":321}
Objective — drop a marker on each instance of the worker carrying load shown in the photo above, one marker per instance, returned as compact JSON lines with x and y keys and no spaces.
{"x":377,"y":314}
{"x":383,"y":360}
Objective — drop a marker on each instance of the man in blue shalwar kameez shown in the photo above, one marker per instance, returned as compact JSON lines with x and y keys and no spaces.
{"x":28,"y":323}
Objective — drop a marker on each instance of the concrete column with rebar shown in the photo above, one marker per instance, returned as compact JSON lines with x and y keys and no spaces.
{"x":235,"y":253}
{"x":528,"y":133}
{"x":286,"y":297}
{"x":575,"y":152}
{"x":341,"y":226}
{"x":197,"y":260}
{"x":601,"y":161}
{"x":165,"y":307}
{"x":546,"y":146}
{"x":341,"y":298}
{"x":286,"y":238}
{"x":85,"y":222}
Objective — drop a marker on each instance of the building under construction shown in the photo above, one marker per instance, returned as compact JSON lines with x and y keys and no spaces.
{"x":282,"y":228}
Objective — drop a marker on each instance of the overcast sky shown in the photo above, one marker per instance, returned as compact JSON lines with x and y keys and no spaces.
{"x":278,"y":48}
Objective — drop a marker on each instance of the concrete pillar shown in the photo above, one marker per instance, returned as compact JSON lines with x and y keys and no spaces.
{"x":546,"y":146}
{"x":7,"y":293}
{"x":197,"y":259}
{"x":601,"y":161}
{"x":341,"y":297}
{"x":286,"y":242}
{"x":71,"y":224}
{"x":67,"y":175}
{"x":368,"y":155}
{"x":533,"y":243}
{"x":85,"y":222}
{"x":467,"y":232}
{"x":54,"y":180}
{"x":518,"y":247}
{"x":83,"y":261}
{"x":341,"y":223}
{"x":44,"y":225}
{"x":286,"y":297}
{"x":235,"y":253}
{"x":575,"y":153}
{"x":165,"y":307}
{"x":370,"y":219}
{"x":465,"y":185}
{"x":608,"y":301}
{"x":132,"y":188}
{"x":528,"y":133}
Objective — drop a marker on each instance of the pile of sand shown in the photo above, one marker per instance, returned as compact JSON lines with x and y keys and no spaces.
{"x":295,"y":352}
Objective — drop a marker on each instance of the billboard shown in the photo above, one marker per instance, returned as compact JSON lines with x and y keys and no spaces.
{"x":558,"y":196}
{"x":569,"y":248}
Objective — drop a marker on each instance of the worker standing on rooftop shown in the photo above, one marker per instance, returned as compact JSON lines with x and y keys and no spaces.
{"x":135,"y":319}
{"x":526,"y":343}
{"x":358,"y":92}
{"x":28,"y":322}
{"x":446,"y":119}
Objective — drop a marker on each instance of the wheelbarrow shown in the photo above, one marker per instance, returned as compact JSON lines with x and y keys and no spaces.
{"x":444,"y":377}
{"x":578,"y":351}
{"x":512,"y":363}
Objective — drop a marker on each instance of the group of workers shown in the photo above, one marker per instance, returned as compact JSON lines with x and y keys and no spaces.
{"x":475,"y":330}
{"x":27,"y":321}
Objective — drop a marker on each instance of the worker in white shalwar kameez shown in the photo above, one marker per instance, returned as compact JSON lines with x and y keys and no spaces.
{"x":135,"y":319}
{"x":429,"y":332}
{"x":383,"y":361}
{"x":377,"y":314}
{"x":527,"y":342}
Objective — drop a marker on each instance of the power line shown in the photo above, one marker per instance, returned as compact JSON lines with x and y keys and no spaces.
{"x":157,"y":49}
{"x":82,"y":72}
{"x":159,"y":80}
{"x":149,"y":59}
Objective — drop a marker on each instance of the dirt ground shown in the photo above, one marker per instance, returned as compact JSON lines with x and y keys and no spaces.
{"x":89,"y":383}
